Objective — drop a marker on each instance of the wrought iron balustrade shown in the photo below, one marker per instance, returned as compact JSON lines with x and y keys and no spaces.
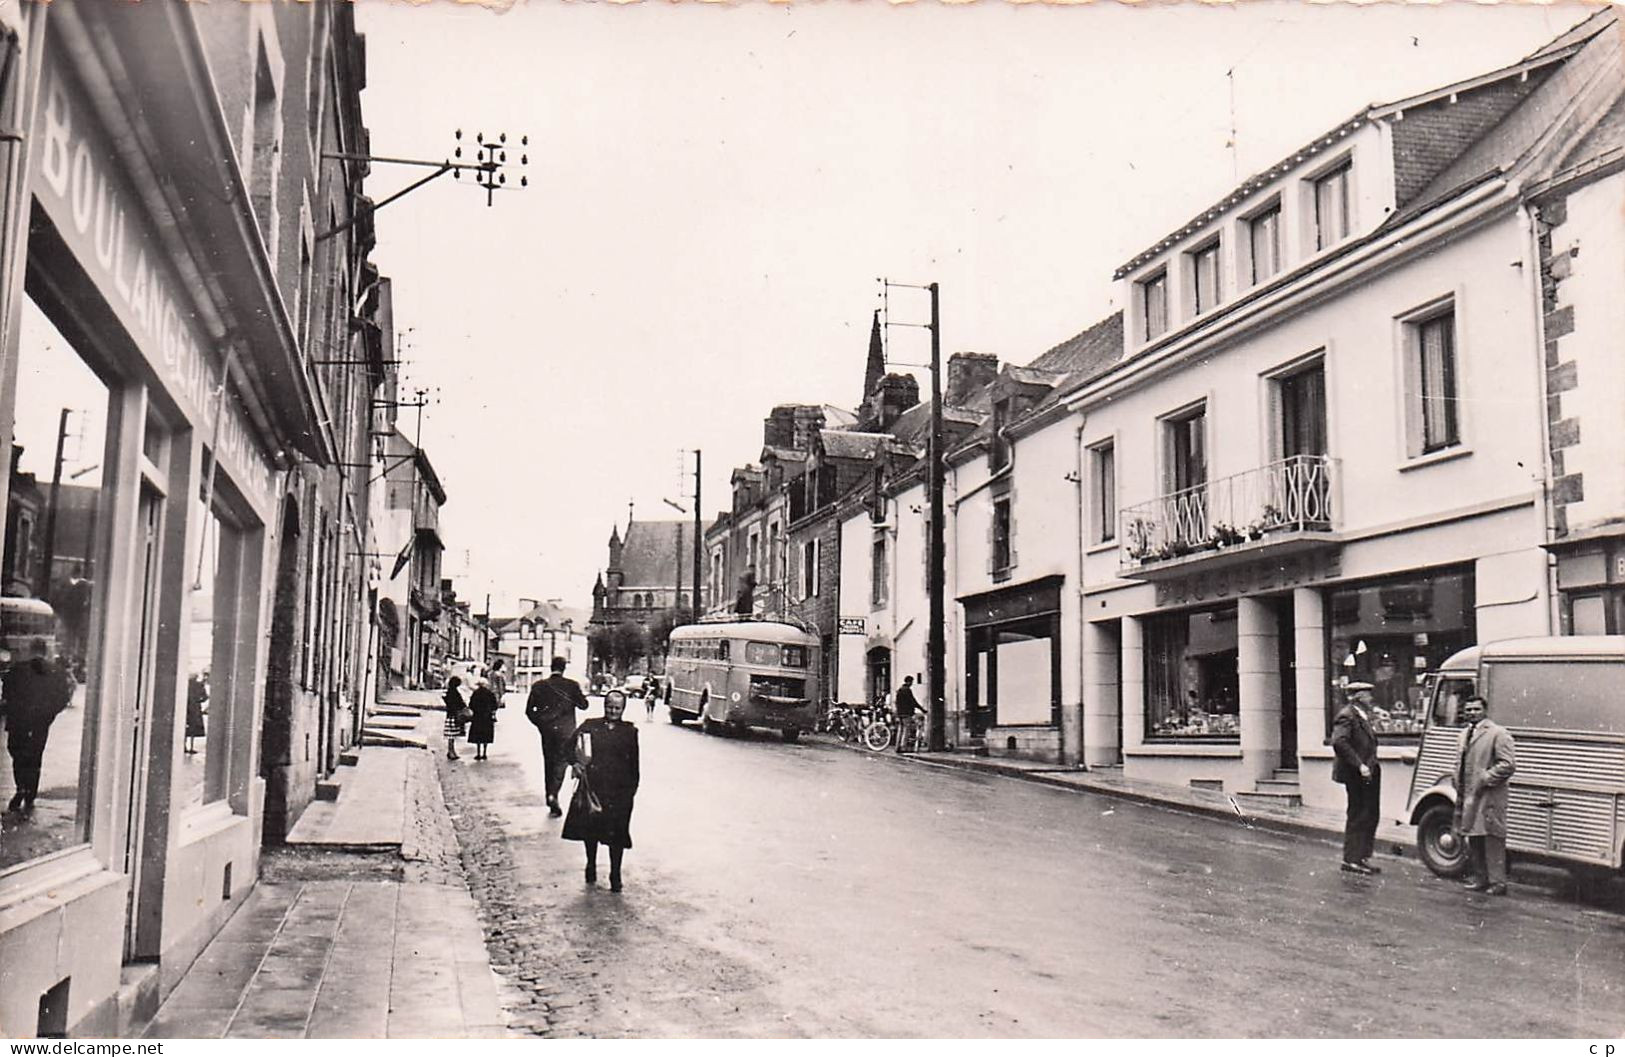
{"x":1294,"y":495}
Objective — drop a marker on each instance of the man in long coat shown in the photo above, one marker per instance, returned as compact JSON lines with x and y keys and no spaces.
{"x":552,"y":707}
{"x":1487,"y":761}
{"x":1356,"y":768}
{"x":34,"y":692}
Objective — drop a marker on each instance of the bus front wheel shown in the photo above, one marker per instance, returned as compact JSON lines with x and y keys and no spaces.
{"x":1441,"y":848}
{"x":791,"y":735}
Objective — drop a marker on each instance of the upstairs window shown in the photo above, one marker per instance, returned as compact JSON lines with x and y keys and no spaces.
{"x":1002,"y":554}
{"x":1154,"y":306}
{"x":879,"y":572}
{"x":1332,"y":222}
{"x":1433,"y":404}
{"x":1264,"y":242}
{"x":809,"y":569}
{"x":1205,"y":278}
{"x":1103,"y":492}
{"x":1186,"y":438}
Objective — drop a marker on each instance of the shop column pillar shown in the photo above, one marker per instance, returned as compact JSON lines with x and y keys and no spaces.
{"x":1258,"y":666}
{"x":1133,"y":682}
{"x":1101,"y":656}
{"x":1309,"y":631}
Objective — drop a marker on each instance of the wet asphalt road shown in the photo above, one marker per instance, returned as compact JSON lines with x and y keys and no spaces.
{"x":814,"y":890}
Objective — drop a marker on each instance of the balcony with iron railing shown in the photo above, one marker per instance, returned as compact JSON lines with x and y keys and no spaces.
{"x":1269,"y":511}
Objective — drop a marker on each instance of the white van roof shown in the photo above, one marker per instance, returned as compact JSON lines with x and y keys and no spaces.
{"x":1546,"y":647}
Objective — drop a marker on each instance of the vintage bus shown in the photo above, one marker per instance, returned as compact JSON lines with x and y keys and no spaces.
{"x":745,"y":673}
{"x":22,"y":622}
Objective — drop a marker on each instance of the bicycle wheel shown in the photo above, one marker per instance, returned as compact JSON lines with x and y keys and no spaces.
{"x":848,"y":729}
{"x":877,"y":735}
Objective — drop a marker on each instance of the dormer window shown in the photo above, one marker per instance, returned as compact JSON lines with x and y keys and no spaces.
{"x":1332,"y":221}
{"x":1264,"y":242}
{"x":1154,"y":306}
{"x":1205,"y":278}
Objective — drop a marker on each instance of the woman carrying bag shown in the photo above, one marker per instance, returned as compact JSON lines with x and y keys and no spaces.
{"x":605,"y":760}
{"x":457,"y":714}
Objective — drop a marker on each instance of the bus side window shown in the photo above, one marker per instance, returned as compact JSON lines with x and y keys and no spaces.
{"x":722,"y":650}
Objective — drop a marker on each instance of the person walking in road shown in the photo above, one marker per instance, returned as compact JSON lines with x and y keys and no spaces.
{"x":651,"y":694}
{"x":552,"y":706}
{"x":1487,"y":761}
{"x":35,"y":693}
{"x":907,"y":709}
{"x":1356,"y":767}
{"x":454,"y":716}
{"x":482,"y":728}
{"x":604,"y":754}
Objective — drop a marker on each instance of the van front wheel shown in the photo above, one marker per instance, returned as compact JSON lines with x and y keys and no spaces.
{"x":1443,"y":850}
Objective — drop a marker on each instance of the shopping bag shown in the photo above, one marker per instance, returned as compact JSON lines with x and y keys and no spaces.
{"x":585,"y":800}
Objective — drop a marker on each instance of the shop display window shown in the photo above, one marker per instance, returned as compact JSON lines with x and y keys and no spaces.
{"x":1192,"y":689}
{"x":212,"y":566}
{"x":1015,"y":671}
{"x":51,"y":587}
{"x":1387,"y":635}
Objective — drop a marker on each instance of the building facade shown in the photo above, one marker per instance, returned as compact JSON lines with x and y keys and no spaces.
{"x":171,"y":295}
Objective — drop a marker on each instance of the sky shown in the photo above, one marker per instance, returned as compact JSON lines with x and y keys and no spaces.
{"x":715,"y":189}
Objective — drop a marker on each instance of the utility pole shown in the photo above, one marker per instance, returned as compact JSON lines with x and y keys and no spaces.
{"x":50,"y":509}
{"x":696,"y":608}
{"x":936,"y":643}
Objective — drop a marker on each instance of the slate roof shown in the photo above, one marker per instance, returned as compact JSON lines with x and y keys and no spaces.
{"x":1438,"y":150}
{"x":554,"y":614}
{"x":850,"y":444}
{"x":650,"y":550}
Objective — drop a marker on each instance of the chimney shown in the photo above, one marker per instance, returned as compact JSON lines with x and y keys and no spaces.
{"x":968,"y":372}
{"x":779,"y":428}
{"x":897,"y":393}
{"x":809,"y":419}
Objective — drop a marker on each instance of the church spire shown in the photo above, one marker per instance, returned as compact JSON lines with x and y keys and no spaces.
{"x":875,"y":370}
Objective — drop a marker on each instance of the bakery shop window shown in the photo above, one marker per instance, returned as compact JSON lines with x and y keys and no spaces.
{"x":1192,"y":690}
{"x":1386,"y":635}
{"x":51,"y":587}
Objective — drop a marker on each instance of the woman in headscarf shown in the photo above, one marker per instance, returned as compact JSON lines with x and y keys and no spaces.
{"x":482,"y":729}
{"x":605,"y":754}
{"x":454,"y":716}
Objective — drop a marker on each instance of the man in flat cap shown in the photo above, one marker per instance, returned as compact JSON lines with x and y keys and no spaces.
{"x":1355,"y":744}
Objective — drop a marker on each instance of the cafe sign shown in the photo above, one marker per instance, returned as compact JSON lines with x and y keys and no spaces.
{"x":1255,"y":578}
{"x":852,"y":626}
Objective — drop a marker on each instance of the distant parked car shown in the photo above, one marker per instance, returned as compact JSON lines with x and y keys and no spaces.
{"x":635,"y":685}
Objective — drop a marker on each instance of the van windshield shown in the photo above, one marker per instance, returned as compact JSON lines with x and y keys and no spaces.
{"x":1447,"y":701}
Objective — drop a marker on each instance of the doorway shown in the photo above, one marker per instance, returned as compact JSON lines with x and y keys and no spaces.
{"x":1285,"y":634}
{"x":149,"y":519}
{"x":879,"y":665}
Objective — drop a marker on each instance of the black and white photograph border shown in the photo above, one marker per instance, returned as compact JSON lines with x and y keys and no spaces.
{"x":1007,"y":521}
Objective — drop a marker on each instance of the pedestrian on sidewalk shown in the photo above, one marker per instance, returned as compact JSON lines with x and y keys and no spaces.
{"x":482,"y":729}
{"x":1487,"y":760}
{"x":604,"y":754}
{"x":552,"y":706}
{"x":907,"y":710}
{"x":35,"y":692}
{"x":1356,"y":767}
{"x":454,"y":716}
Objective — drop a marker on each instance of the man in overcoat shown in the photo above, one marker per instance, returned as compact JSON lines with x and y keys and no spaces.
{"x":552,"y":707}
{"x":35,"y":692}
{"x":1487,"y":761}
{"x":1356,"y":767}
